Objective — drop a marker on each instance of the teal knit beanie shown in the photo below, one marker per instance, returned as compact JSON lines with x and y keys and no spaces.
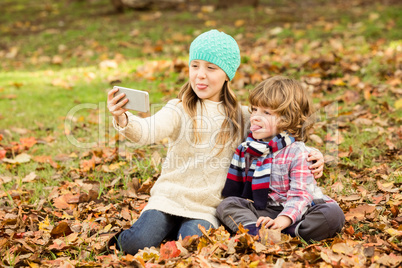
{"x":218,"y":48}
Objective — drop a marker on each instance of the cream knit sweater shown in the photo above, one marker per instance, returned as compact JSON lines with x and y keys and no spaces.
{"x":192,"y":175}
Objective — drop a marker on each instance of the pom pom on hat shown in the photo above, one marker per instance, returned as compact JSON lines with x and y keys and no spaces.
{"x":218,"y":48}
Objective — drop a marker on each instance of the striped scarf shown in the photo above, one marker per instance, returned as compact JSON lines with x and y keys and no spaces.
{"x":250,"y":170}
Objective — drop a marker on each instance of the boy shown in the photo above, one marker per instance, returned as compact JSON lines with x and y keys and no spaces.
{"x":269,"y":182}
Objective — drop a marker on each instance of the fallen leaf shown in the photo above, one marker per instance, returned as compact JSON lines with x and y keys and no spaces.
{"x":62,"y":229}
{"x":28,"y":142}
{"x":46,"y":159}
{"x":57,"y":59}
{"x":146,"y":186}
{"x":9,"y":97}
{"x":337,"y":187}
{"x":350,"y":230}
{"x":108,"y":64}
{"x":62,"y":202}
{"x":5,"y":179}
{"x":239,"y":23}
{"x":169,"y":250}
{"x":21,"y":131}
{"x":30,"y":177}
{"x":21,"y":158}
{"x":362,"y":121}
{"x":359,"y":212}
{"x":208,"y":9}
{"x":387,"y":187}
{"x":2,"y":153}
{"x":316,"y":139}
{"x":353,"y":197}
{"x":398,"y":104}
{"x":390,"y":260}
{"x":391,"y":145}
{"x":350,"y":96}
{"x":58,"y":245}
{"x":342,"y":248}
{"x":269,"y":236}
{"x":276,"y":31}
{"x":58,"y":82}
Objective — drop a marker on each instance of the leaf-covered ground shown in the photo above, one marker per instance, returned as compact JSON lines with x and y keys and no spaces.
{"x":68,"y":181}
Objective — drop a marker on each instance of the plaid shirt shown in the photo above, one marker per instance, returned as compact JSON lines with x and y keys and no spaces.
{"x":292,"y":184}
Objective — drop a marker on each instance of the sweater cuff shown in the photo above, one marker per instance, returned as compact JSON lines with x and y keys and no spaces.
{"x":119,"y":128}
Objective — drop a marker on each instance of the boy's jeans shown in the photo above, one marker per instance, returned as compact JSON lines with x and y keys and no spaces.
{"x":153,"y":226}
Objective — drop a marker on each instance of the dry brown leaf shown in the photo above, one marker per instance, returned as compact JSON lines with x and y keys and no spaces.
{"x":146,"y":186}
{"x":359,"y":212}
{"x":62,"y":229}
{"x":30,"y":177}
{"x":387,"y":187}
{"x":337,"y":187}
{"x":63,"y":202}
{"x":5,"y":179}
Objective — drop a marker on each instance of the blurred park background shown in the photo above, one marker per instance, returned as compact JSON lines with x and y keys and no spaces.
{"x":58,"y":60}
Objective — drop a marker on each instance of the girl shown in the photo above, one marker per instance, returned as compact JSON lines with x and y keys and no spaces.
{"x":203,"y":127}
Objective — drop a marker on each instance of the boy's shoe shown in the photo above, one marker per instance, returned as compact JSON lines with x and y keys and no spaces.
{"x":252,"y":229}
{"x":291,"y":230}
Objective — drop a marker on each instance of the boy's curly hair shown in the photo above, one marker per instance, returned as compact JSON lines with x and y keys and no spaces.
{"x":289,"y":101}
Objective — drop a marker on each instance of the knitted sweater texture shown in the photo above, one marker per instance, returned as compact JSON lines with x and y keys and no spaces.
{"x":193,"y":175}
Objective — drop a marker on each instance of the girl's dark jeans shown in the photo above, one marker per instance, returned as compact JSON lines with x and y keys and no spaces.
{"x":153,"y":226}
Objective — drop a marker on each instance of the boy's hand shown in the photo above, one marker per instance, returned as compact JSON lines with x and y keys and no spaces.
{"x":280,"y":222}
{"x":115,"y":107}
{"x":318,"y":167}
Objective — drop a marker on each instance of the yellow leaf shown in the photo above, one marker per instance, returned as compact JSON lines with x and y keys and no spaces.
{"x":107,"y":228}
{"x":338,"y":82}
{"x":239,"y":23}
{"x":210,"y":23}
{"x":254,"y":264}
{"x":374,"y":16}
{"x":208,"y":9}
{"x":115,"y":166}
{"x":33,"y":264}
{"x":45,"y":225}
{"x":393,"y":232}
{"x":398,"y":104}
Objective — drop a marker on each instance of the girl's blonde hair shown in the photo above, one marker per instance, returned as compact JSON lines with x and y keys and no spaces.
{"x":232,"y":127}
{"x":289,"y":101}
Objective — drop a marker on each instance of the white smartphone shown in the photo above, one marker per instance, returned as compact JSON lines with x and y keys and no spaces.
{"x":137,"y":100}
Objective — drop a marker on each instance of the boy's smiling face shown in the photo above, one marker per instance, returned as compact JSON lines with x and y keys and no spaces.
{"x":263,"y":123}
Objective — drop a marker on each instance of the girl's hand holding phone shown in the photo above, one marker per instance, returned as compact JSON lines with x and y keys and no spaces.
{"x":115,"y":107}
